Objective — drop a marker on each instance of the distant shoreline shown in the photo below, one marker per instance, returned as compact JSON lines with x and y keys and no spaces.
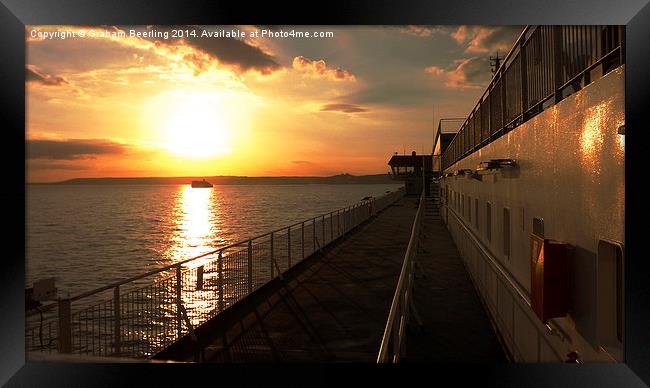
{"x":230,"y":180}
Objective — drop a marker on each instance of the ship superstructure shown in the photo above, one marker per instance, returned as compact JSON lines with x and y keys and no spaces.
{"x":532,"y":188}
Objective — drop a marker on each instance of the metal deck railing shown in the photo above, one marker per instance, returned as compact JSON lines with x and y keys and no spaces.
{"x":391,"y":348}
{"x":140,"y":316}
{"x":545,"y":65}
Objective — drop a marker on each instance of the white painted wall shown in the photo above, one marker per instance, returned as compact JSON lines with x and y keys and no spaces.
{"x":571,"y":175}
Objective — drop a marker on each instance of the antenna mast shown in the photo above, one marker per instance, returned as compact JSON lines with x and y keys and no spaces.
{"x":495,"y":62}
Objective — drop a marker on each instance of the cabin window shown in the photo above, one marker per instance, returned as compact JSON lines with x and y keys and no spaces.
{"x":538,"y":227}
{"x":506,"y":232}
{"x":476,"y":224}
{"x":488,"y":221}
{"x":610,"y":297}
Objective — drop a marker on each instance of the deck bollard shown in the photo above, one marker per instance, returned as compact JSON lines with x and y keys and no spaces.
{"x":199,"y":278}
{"x":220,"y":276}
{"x":288,"y":247}
{"x":250,"y":266}
{"x":117,"y":330}
{"x":179,"y":321}
{"x":65,"y":326}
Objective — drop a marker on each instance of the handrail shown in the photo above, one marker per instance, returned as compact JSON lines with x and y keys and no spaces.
{"x":541,"y":64}
{"x":392,"y":340}
{"x":501,"y":69}
{"x":507,"y":277}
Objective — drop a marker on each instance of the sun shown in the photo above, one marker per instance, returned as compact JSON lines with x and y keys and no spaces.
{"x":196,"y":126}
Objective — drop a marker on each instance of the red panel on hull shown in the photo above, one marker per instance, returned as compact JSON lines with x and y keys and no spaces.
{"x":549,"y":278}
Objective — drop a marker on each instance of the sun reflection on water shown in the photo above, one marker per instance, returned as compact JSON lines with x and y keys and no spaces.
{"x":198,"y":223}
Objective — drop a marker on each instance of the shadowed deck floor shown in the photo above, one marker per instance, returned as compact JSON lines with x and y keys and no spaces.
{"x":333,"y":310}
{"x":335,"y":306}
{"x":456,"y":326}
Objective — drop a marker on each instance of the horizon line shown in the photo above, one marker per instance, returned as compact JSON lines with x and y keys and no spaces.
{"x":206,"y":176}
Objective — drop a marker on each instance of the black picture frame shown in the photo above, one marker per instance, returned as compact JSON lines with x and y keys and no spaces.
{"x":15,"y":14}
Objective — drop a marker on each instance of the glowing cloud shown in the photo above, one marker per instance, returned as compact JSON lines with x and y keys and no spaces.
{"x":318,"y":68}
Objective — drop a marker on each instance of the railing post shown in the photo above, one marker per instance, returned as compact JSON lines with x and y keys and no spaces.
{"x":323,"y":226}
{"x":331,"y":228}
{"x":65,"y":326}
{"x":346,"y":219}
{"x":396,"y":325}
{"x":557,"y":63}
{"x":220,"y":276}
{"x":302,"y":238}
{"x":272,"y":258}
{"x":314,"y":234}
{"x":338,"y":222}
{"x":199,"y":278}
{"x":250,"y":266}
{"x":504,"y":112}
{"x":179,"y":324}
{"x":351,"y":217}
{"x":117,"y":330}
{"x":405,"y":312}
{"x":288,"y":247}
{"x":524,"y":79}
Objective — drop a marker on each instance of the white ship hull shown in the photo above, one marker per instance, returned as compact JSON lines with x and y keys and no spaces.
{"x":571,"y":178}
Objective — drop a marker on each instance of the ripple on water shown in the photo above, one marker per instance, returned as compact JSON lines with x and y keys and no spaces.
{"x":88,"y":236}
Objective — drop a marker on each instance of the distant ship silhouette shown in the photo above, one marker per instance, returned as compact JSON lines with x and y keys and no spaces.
{"x":203,"y":183}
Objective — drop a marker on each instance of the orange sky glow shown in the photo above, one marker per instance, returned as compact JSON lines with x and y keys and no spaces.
{"x":111,"y":106}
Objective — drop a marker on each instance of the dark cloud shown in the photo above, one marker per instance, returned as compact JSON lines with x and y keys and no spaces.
{"x":40,"y":165}
{"x":346,"y":108}
{"x":470,"y":73}
{"x":228,"y":51}
{"x":34,"y":74}
{"x":72,"y":149}
{"x":476,"y":70}
{"x":236,"y":52}
{"x":491,"y":39}
{"x":502,"y":36}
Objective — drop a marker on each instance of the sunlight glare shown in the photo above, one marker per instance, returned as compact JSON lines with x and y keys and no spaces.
{"x":196,"y":127}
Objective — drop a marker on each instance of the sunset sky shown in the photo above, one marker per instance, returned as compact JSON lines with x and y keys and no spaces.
{"x":258,"y":106}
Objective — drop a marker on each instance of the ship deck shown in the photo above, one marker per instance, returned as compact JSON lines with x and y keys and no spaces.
{"x":456,"y":327}
{"x":333,"y":306}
